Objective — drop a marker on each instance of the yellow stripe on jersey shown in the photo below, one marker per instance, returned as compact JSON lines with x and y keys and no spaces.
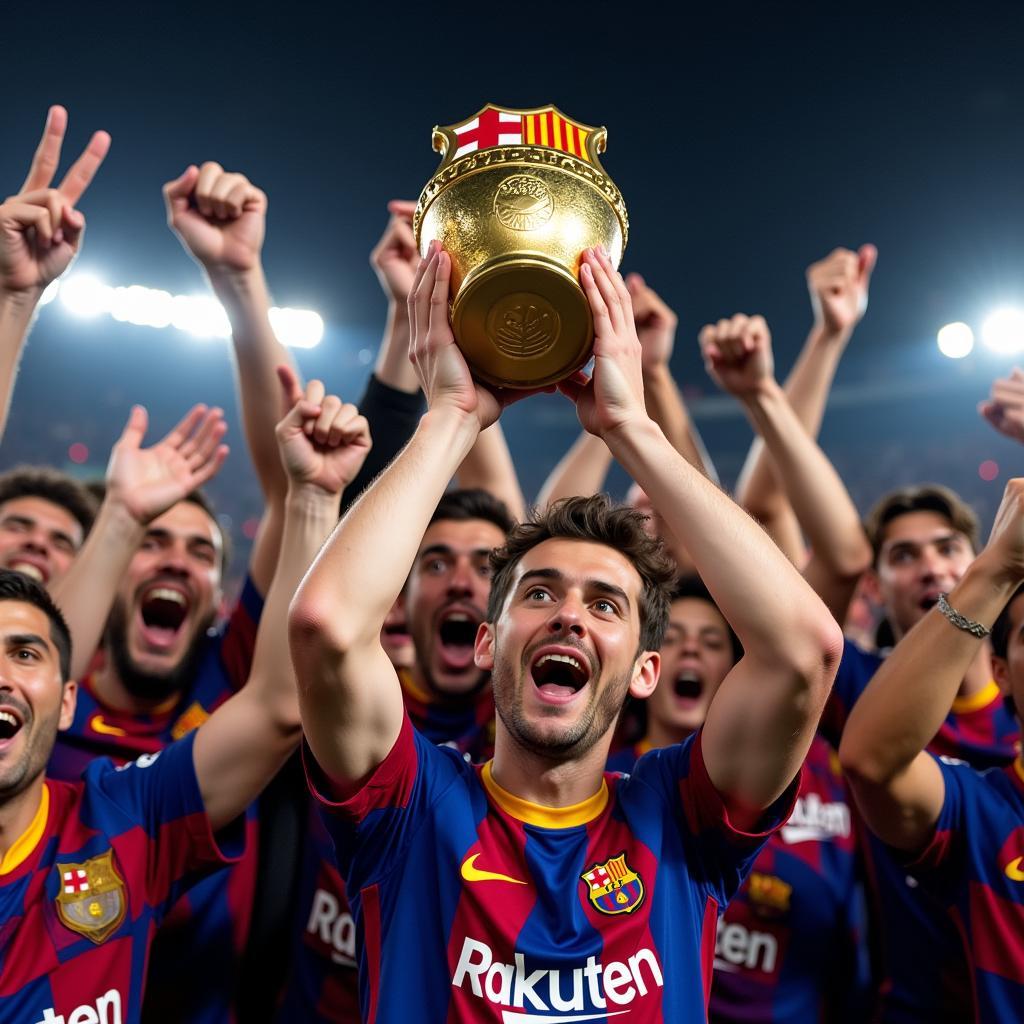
{"x":539,"y":814}
{"x":29,"y":839}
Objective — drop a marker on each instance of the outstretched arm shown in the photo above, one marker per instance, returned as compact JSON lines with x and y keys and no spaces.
{"x":248,"y":738}
{"x":582,"y":470}
{"x":142,"y":484}
{"x":838,"y":287}
{"x":348,"y":691}
{"x":762,"y":720}
{"x":899,"y":788}
{"x":220,"y":219}
{"x":489,"y":467}
{"x":40,"y":234}
{"x":738,"y":357}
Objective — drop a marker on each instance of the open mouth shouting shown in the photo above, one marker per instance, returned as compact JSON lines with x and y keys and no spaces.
{"x":559,"y":673}
{"x":929,"y":600}
{"x":31,"y":566}
{"x":11,"y":723}
{"x":456,"y":635}
{"x":688,"y":687}
{"x":163,"y":609}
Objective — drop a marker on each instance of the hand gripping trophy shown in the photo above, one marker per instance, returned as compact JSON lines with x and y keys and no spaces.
{"x":517,"y":198}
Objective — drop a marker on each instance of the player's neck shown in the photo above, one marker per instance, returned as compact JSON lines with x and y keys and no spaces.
{"x":661,"y":735}
{"x":108,"y":688}
{"x":540,"y":780}
{"x":979,"y":673}
{"x":17,"y":814}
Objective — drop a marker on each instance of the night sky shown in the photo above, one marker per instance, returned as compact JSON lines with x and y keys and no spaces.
{"x":747,"y":142}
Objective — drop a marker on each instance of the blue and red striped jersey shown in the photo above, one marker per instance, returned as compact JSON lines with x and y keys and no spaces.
{"x":921,"y":957}
{"x":203,"y":937}
{"x":974,"y":865}
{"x":473,"y":905}
{"x":82,"y":892}
{"x":791,"y":946}
{"x":322,"y":982}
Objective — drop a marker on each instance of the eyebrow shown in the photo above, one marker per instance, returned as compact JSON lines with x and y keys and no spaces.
{"x":601,"y":586}
{"x":193,"y":538}
{"x":944,"y":538}
{"x":444,"y":549}
{"x":25,"y":640}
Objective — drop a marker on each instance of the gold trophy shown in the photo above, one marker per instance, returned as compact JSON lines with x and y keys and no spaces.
{"x":517,"y":198}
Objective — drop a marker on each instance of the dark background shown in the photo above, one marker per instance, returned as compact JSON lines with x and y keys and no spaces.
{"x":747,"y":140}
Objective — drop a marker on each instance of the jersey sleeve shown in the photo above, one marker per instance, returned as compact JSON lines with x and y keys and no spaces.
{"x":160,"y":794}
{"x":719,"y":854}
{"x":856,"y":667}
{"x":238,"y":641}
{"x":940,"y":866}
{"x":372,"y":825}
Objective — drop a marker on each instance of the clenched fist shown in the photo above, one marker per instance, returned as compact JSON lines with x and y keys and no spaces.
{"x":838,"y":285}
{"x":738,"y":353}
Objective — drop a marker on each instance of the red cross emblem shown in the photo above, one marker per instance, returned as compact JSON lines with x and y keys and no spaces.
{"x":76,"y":881}
{"x":491,"y":128}
{"x":598,"y":878}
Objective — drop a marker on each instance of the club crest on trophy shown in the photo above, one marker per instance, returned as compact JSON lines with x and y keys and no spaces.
{"x":517,"y":198}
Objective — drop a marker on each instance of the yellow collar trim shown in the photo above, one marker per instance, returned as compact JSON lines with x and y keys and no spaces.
{"x":410,"y":687}
{"x":976,"y":701}
{"x":29,"y":839}
{"x":643,"y":746}
{"x":1018,"y":767}
{"x":538,"y":814}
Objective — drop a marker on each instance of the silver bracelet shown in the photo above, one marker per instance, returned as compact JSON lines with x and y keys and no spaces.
{"x":961,"y":621}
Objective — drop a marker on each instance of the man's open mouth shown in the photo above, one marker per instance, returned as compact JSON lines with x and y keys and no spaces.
{"x":929,"y":601}
{"x":559,"y":675}
{"x":31,"y":569}
{"x":10,"y":724}
{"x":456,"y":636}
{"x":688,"y":685}
{"x":163,"y":611}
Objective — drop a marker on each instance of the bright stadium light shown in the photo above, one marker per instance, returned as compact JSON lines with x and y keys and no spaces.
{"x":84,"y":295}
{"x":1003,"y":331}
{"x":955,"y":340}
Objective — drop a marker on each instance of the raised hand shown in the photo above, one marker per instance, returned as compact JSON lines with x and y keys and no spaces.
{"x":655,"y":323}
{"x":1005,"y":548}
{"x":1005,"y":408}
{"x":395,"y":257}
{"x":838,"y":286}
{"x":323,"y":441}
{"x":148,"y":481}
{"x":40,"y":229}
{"x":614,"y":396}
{"x":219,"y":217}
{"x":738,"y":353}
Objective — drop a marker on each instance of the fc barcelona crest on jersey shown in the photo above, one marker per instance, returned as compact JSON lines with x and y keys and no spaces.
{"x":614,"y":887}
{"x":91,"y":897}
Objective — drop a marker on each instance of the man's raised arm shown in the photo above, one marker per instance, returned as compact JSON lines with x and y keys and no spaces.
{"x":40,"y":234}
{"x":738,"y":357}
{"x":246,"y":740}
{"x":348,"y":690}
{"x":763,"y":717}
{"x":899,"y":788}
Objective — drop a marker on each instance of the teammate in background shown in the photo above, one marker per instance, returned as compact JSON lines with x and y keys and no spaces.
{"x":838,"y":287}
{"x":922,"y":540}
{"x":89,"y":868}
{"x":40,"y":234}
{"x":44,"y":518}
{"x":960,"y":831}
{"x":550,"y":852}
{"x":790,"y":946}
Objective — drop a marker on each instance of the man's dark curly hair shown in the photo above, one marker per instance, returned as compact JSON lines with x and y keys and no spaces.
{"x":53,"y":486}
{"x":599,"y":520}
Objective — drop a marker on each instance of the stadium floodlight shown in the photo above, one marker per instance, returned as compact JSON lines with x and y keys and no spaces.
{"x":85,"y":295}
{"x":82,"y":294}
{"x":955,"y":340}
{"x":1003,"y":331}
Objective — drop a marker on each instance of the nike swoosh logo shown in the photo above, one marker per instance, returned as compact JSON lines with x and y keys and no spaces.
{"x":98,"y":725}
{"x":1013,"y":870}
{"x":471,"y":873}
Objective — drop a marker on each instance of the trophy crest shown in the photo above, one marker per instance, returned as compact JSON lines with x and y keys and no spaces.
{"x":518,"y":196}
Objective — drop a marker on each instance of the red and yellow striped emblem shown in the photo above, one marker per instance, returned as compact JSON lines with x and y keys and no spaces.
{"x":550,"y":129}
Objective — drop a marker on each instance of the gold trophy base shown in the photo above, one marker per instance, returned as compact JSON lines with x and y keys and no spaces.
{"x":522,"y":322}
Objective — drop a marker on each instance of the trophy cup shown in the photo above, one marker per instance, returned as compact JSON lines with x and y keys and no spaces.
{"x":517,"y":198}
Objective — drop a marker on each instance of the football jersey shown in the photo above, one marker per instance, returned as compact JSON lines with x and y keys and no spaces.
{"x":974,"y":865}
{"x":323,"y":982}
{"x":84,"y":888}
{"x":790,"y":946}
{"x":921,"y":956}
{"x":474,"y":905}
{"x":204,"y":935}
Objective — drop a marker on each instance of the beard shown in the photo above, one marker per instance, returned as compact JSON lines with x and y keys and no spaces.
{"x":142,"y":683}
{"x":40,"y":738}
{"x":571,"y":741}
